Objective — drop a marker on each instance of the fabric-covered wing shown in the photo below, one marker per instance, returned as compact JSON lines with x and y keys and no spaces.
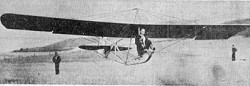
{"x":65,"y":26}
{"x":108,"y":29}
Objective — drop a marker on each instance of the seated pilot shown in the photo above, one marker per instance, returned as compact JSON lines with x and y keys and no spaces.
{"x":143,"y":43}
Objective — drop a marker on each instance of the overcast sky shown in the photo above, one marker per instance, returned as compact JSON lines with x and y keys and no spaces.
{"x":205,"y":12}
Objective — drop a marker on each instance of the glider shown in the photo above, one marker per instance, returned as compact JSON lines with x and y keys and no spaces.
{"x":117,"y":30}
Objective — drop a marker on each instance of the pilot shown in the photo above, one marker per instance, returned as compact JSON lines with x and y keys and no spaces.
{"x":56,"y":59}
{"x":142,"y":42}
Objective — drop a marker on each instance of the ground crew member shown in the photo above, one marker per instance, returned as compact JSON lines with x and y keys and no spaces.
{"x":56,"y":59}
{"x":233,"y":53}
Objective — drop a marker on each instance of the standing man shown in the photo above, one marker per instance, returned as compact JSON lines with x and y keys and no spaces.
{"x":233,"y":52}
{"x":57,"y":60}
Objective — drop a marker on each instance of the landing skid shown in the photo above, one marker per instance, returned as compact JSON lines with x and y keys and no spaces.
{"x":140,"y":61}
{"x":124,"y":56}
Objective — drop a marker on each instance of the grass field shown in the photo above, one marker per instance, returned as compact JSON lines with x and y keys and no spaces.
{"x":189,"y":62}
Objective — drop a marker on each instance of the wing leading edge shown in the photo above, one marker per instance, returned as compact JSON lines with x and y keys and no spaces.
{"x":124,"y":30}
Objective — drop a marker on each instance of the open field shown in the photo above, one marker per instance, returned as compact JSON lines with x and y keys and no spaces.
{"x":189,"y":62}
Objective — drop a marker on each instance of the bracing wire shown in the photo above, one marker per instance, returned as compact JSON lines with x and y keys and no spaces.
{"x":137,"y":15}
{"x":173,"y":43}
{"x":103,"y":15}
{"x":154,"y":13}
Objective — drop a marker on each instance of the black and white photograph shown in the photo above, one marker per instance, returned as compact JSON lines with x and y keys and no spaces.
{"x":125,"y":42}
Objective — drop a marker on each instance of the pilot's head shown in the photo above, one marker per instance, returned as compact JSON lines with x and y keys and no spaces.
{"x":56,"y":53}
{"x":142,"y":31}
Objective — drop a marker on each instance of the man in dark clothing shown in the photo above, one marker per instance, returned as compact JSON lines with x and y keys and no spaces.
{"x":139,"y":46}
{"x":233,"y":53}
{"x":57,"y":60}
{"x":142,"y":42}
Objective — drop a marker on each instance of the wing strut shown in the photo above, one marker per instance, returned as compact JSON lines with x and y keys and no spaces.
{"x":128,"y":50}
{"x":136,"y":14}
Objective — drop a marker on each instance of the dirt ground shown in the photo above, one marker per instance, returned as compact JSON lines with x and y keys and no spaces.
{"x":189,"y":62}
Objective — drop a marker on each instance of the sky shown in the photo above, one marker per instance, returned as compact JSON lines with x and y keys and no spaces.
{"x":204,"y":12}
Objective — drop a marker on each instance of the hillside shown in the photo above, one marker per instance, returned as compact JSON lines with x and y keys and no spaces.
{"x":239,"y":21}
{"x":61,"y":45}
{"x":245,"y":33}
